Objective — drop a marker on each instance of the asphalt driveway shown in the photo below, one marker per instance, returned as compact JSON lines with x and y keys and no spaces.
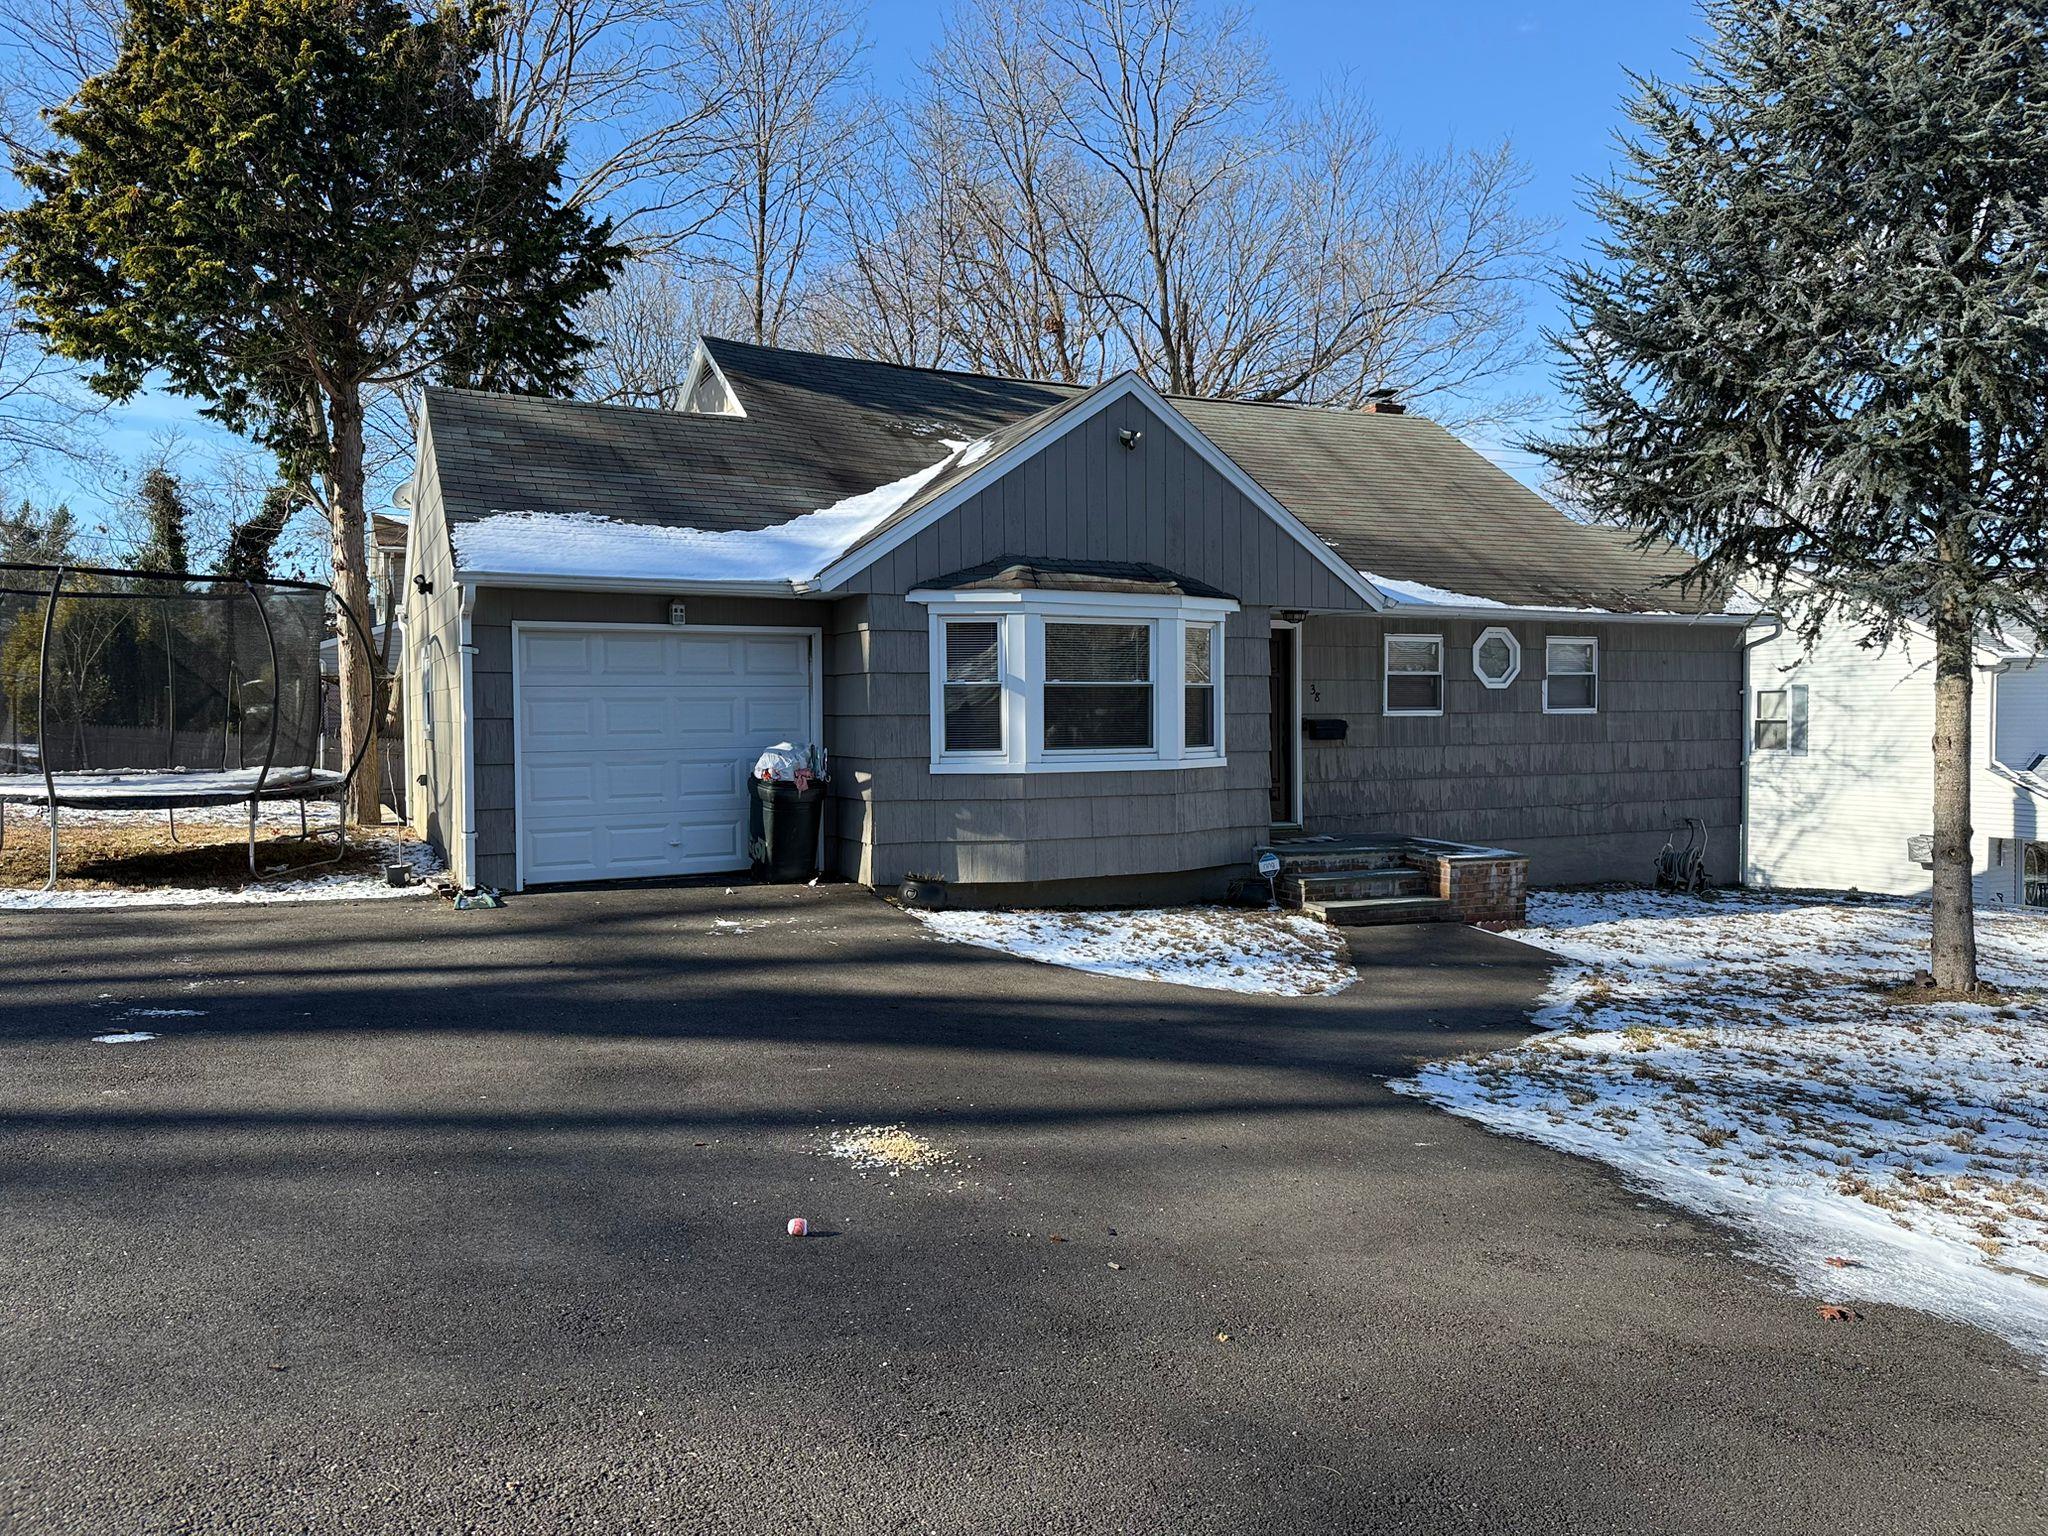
{"x":433,"y":1221}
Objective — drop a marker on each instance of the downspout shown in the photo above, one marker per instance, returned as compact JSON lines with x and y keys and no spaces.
{"x":1743,"y":736}
{"x":465,"y":740}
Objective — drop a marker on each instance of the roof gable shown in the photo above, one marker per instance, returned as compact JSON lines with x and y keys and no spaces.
{"x":1003,"y":451}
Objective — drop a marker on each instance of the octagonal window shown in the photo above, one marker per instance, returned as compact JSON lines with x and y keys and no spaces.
{"x":1496,"y":657}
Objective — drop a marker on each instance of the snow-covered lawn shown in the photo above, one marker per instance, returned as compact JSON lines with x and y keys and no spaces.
{"x":1743,"y":1057}
{"x":1222,"y":948}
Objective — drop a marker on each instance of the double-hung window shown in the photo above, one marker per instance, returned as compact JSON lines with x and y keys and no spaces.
{"x":971,"y":703}
{"x":1780,"y":720}
{"x":1415,"y":675}
{"x":1571,"y":675}
{"x":1051,"y":681}
{"x":1200,"y":688}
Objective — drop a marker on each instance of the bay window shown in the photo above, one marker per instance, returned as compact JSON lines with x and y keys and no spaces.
{"x":1049,"y":681}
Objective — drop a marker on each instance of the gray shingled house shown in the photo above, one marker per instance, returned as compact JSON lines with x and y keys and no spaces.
{"x":1062,"y":643}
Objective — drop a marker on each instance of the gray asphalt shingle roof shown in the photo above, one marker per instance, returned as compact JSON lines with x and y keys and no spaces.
{"x":1395,"y":495}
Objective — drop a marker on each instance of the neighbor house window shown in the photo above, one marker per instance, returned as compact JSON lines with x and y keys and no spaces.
{"x":972,"y":706}
{"x":2034,"y":876}
{"x":1571,"y":675}
{"x":1415,"y":675}
{"x":1051,"y":681}
{"x":1098,"y":687}
{"x":1780,"y":720}
{"x":1496,"y":657}
{"x":1198,"y":674}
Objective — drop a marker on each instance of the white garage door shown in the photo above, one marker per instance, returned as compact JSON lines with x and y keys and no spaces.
{"x":635,"y":745}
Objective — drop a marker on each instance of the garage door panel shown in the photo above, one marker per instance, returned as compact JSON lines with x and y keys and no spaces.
{"x":638,"y":767}
{"x":555,"y":786}
{"x":708,"y":656}
{"x":548,"y":718}
{"x":645,"y":656}
{"x":774,"y":656}
{"x":777,"y":717}
{"x":549,"y":655}
{"x":699,"y":715}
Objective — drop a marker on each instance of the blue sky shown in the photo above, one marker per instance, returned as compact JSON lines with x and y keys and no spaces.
{"x":1547,"y":76}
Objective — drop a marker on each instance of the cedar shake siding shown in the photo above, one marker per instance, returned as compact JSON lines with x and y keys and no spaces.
{"x":1587,"y":797}
{"x":1084,"y":496}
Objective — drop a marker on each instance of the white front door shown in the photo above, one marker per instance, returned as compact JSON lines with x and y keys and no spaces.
{"x":635,"y":745}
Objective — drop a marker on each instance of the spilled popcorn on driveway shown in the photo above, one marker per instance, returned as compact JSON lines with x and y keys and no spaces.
{"x":1745,"y":1057}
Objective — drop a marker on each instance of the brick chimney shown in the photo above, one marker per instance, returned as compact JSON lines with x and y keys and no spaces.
{"x":1384,"y":402}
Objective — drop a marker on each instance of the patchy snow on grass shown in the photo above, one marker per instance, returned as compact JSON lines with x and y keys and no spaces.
{"x":1222,"y":948}
{"x":1744,"y":1057}
{"x":334,"y":885}
{"x":125,"y":1037}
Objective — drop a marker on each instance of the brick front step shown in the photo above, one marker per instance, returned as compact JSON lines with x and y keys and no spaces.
{"x":1299,"y":890}
{"x":1372,"y":911}
{"x":1354,"y":882}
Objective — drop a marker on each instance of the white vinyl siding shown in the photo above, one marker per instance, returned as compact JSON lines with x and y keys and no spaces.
{"x":1840,"y":815}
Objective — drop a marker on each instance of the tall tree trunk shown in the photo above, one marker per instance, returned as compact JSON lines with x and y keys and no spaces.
{"x":348,"y":526}
{"x":1955,"y":931}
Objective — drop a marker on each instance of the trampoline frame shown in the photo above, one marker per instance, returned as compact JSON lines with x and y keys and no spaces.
{"x":318,"y":784}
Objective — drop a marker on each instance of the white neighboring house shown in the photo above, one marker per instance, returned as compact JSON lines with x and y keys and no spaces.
{"x":1839,"y":765}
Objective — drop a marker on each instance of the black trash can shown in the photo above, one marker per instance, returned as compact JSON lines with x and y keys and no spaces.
{"x":782,"y":830}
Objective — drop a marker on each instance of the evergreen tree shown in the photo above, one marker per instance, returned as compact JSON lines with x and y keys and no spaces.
{"x":252,"y":544}
{"x":33,"y":537}
{"x":1813,"y":347}
{"x":281,"y":205}
{"x":166,"y":523}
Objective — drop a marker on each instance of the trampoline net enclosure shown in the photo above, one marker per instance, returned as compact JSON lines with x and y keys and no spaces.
{"x":142,"y":689}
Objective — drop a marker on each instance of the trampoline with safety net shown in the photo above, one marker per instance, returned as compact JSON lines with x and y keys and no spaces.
{"x":144,"y":690}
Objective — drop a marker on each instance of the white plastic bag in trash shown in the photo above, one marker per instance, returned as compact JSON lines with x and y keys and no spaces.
{"x":788,"y":763}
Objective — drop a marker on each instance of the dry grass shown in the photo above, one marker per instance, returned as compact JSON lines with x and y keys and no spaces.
{"x":139,"y":853}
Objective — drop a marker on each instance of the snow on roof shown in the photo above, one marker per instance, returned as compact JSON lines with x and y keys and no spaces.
{"x":1418,"y":594}
{"x":535,"y":543}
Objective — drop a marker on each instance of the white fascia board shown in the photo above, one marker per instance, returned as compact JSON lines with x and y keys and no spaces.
{"x":1424,"y":611}
{"x":1053,"y":600}
{"x":1122,"y":387}
{"x":577,"y":583}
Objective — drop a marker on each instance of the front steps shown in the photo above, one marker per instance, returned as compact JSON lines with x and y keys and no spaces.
{"x":1367,"y":882}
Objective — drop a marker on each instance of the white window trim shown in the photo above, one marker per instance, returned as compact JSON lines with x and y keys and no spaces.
{"x":1387,"y":673}
{"x":1498,"y":632}
{"x":1021,"y":618}
{"x":1797,"y":722}
{"x":1004,"y":667}
{"x":1586,"y":640}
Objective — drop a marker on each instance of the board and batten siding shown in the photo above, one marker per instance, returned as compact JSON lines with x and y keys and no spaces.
{"x":1587,"y":797}
{"x":1082,"y":496}
{"x":1840,"y":815}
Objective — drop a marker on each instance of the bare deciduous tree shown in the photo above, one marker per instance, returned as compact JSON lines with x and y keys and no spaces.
{"x":648,"y":323}
{"x":784,"y":134}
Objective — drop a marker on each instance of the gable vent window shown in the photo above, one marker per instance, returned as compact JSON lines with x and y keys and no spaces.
{"x":1098,"y":687}
{"x":1780,"y":720}
{"x":1415,"y":675}
{"x":973,"y":687}
{"x":1198,"y":729}
{"x":1571,"y":681}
